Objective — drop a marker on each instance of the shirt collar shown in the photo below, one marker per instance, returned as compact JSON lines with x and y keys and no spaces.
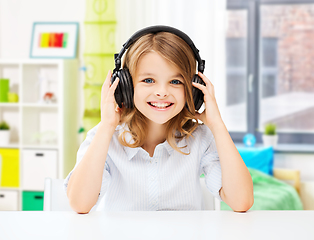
{"x":131,"y":152}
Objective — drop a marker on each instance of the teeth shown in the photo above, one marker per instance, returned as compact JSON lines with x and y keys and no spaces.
{"x":160,"y":105}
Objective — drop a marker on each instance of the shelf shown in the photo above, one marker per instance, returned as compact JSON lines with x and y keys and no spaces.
{"x":10,"y":188}
{"x":9,"y":104}
{"x":40,"y":146}
{"x":31,"y":61}
{"x":40,"y":105}
{"x":39,"y":131}
{"x":38,"y":80}
{"x":10,"y":145}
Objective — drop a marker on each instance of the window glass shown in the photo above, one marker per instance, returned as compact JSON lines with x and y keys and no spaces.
{"x":286,"y":67}
{"x":235,"y":110}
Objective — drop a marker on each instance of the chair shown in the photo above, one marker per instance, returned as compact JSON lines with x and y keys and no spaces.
{"x":55,"y":198}
{"x":211,"y":203}
{"x":288,"y":175}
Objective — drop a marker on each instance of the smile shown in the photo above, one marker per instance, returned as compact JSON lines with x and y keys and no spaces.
{"x":163,"y":105}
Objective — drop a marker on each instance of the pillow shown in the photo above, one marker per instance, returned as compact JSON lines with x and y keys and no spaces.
{"x":261,"y":158}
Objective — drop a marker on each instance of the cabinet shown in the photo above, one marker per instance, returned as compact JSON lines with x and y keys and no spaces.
{"x":43,"y":128}
{"x":36,"y":166}
{"x":8,"y":200}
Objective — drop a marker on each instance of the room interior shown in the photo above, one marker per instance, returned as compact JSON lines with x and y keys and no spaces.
{"x":259,"y":56}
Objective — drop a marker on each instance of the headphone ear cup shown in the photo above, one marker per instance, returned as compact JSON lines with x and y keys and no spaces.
{"x":198,"y":96}
{"x":127,"y":89}
{"x":118,"y":93}
{"x":124,"y":91}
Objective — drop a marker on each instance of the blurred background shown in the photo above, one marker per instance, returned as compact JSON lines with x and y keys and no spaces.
{"x":258,"y":54}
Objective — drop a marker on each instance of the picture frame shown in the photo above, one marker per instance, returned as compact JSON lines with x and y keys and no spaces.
{"x":54,"y":40}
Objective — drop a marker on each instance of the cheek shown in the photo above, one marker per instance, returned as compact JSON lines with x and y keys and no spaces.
{"x":138,"y":95}
{"x":181,"y":96}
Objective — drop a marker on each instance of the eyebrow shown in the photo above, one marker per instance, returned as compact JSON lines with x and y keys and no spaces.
{"x":153,"y":75}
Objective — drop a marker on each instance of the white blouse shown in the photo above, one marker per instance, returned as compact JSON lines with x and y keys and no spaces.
{"x":134,"y":181}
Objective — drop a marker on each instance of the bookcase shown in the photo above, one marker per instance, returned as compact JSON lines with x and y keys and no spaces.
{"x":43,"y":128}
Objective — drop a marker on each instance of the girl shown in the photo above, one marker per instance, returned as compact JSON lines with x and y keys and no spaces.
{"x":151,"y":156}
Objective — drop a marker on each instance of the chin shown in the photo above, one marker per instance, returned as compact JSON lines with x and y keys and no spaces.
{"x":159,"y":121}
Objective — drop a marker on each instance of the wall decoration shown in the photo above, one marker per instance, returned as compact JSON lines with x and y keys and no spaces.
{"x":54,"y":40}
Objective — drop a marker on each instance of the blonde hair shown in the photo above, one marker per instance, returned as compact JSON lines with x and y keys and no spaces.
{"x":177,"y":52}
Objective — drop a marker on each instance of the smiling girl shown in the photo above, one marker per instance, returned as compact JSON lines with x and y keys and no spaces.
{"x":150,"y":156}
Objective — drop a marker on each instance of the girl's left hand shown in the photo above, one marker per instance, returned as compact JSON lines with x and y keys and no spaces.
{"x":211,"y":115}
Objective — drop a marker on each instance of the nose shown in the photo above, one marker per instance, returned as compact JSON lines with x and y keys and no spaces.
{"x":162,"y":95}
{"x":161,"y":92}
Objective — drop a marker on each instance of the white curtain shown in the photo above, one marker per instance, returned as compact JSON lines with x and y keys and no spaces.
{"x":203,"y":20}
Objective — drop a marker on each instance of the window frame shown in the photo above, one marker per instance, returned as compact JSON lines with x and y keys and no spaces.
{"x":253,"y":75}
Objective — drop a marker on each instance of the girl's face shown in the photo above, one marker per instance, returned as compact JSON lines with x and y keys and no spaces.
{"x":158,"y":88}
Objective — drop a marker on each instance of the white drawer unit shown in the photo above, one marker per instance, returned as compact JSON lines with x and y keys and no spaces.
{"x":36,"y":166}
{"x":9,"y":200}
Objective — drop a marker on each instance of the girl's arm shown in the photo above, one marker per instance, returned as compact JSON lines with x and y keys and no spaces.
{"x":85,"y":182}
{"x":237,"y":185}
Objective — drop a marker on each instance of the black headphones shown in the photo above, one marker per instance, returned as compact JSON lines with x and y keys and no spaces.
{"x":124,"y":92}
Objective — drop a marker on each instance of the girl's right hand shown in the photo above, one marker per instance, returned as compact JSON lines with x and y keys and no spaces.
{"x":110,"y":111}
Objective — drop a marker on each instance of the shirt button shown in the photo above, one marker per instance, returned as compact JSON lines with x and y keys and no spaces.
{"x":154,"y":202}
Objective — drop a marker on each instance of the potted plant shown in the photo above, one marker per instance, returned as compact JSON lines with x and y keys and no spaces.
{"x":270,"y":137}
{"x":4,"y":133}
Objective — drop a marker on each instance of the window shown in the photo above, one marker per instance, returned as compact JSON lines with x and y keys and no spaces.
{"x":269,"y":68}
{"x":235,"y":111}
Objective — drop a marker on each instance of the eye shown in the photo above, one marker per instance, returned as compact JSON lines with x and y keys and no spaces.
{"x":148,"y":80}
{"x":176,"y":82}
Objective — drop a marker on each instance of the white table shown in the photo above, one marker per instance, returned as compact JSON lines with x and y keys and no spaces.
{"x":158,"y":225}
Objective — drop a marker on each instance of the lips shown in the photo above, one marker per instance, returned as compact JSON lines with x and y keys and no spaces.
{"x":160,"y":105}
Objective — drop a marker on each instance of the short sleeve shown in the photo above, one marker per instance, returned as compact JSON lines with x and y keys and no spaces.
{"x":210,"y":165}
{"x":80,"y":153}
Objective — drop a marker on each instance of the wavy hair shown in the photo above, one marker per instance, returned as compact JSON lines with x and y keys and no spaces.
{"x":178,"y":53}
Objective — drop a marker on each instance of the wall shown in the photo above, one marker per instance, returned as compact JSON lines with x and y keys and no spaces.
{"x":300,"y":161}
{"x":17,"y":17}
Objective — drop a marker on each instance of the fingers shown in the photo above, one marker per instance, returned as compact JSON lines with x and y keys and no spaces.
{"x":108,"y":89}
{"x":205,"y":79}
{"x":209,"y":86}
{"x":199,"y":86}
{"x":108,"y":78}
{"x":106,"y":84}
{"x":113,"y":86}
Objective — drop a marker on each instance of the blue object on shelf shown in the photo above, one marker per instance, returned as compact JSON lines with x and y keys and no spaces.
{"x":249,"y":140}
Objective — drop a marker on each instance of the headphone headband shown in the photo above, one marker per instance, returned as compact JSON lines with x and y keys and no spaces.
{"x":156,"y":29}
